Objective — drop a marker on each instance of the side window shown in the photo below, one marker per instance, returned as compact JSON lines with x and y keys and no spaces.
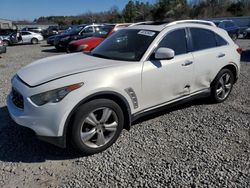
{"x":89,"y":30}
{"x":175,"y":40}
{"x":25,"y":33}
{"x":202,"y":39}
{"x":220,"y":41}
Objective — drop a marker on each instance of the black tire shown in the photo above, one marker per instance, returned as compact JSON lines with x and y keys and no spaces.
{"x":34,"y":41}
{"x":217,"y":86}
{"x":6,"y":43}
{"x":80,"y":124}
{"x":58,"y":48}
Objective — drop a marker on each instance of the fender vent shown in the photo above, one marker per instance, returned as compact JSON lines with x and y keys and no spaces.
{"x":132,"y":96}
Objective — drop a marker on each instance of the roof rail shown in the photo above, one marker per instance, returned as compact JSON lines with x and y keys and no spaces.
{"x":141,"y":23}
{"x":192,"y":21}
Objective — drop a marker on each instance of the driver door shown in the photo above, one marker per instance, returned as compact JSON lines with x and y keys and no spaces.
{"x":167,"y":80}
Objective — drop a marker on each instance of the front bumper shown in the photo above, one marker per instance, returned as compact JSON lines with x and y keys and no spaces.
{"x":46,"y":121}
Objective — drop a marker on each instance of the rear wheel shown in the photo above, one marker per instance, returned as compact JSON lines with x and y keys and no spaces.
{"x":34,"y":41}
{"x":97,"y":126}
{"x":222,"y":86}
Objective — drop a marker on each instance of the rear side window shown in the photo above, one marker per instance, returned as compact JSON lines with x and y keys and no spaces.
{"x":176,"y":40}
{"x":220,"y":41}
{"x":202,"y":39}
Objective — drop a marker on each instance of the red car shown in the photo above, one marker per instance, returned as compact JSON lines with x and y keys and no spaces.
{"x":88,"y":44}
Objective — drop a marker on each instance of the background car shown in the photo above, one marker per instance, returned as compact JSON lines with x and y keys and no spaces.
{"x":88,"y":44}
{"x":2,"y":46}
{"x":6,"y":32}
{"x":23,"y":37}
{"x":33,"y":29}
{"x":54,"y":30}
{"x":228,"y":25}
{"x":51,"y":39}
{"x":79,"y":32}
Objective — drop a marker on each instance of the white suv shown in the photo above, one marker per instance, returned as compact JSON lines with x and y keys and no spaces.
{"x":88,"y":99}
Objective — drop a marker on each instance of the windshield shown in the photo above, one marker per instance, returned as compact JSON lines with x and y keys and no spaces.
{"x":125,"y":45}
{"x":75,"y":31}
{"x":103,"y":31}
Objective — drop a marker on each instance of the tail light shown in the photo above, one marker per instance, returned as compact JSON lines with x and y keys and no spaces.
{"x":239,"y":50}
{"x":1,"y":42}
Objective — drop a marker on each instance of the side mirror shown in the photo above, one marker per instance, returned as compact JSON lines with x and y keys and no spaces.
{"x":164,"y":54}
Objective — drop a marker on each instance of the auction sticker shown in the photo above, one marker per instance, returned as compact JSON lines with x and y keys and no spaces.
{"x":147,"y":33}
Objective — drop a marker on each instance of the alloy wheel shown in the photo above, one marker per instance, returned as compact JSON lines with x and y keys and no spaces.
{"x":99,"y":127}
{"x":224,"y":86}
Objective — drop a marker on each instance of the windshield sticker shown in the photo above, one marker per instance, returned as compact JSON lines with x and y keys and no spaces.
{"x":147,"y":33}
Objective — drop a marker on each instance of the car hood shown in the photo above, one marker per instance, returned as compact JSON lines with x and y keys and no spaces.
{"x":87,"y":41}
{"x":56,"y":67}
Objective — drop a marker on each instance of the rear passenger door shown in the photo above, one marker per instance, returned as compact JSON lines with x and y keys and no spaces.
{"x":209,"y":53}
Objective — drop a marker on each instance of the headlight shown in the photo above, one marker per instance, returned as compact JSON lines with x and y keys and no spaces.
{"x":54,"y":96}
{"x":84,"y":46}
{"x":65,"y":38}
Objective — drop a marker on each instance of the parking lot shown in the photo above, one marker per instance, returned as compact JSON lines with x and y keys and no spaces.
{"x":198,"y":144}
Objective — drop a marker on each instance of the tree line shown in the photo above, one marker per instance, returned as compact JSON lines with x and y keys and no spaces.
{"x":161,"y":10}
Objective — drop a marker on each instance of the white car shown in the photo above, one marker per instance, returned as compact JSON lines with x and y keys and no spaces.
{"x":87,"y":99}
{"x":23,"y":37}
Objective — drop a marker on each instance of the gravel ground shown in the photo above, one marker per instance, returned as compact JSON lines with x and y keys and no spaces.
{"x":194,"y":145}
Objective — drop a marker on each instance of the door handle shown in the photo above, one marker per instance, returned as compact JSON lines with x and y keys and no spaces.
{"x":187,"y":63}
{"x":221,"y":55}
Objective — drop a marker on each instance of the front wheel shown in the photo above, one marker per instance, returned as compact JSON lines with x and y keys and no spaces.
{"x":97,"y":126}
{"x":222,"y":86}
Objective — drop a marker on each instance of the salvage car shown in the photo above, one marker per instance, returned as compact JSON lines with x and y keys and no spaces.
{"x":88,"y":99}
{"x":88,"y":44}
{"x":23,"y":37}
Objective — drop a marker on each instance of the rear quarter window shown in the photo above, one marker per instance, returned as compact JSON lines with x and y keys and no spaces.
{"x":202,"y":39}
{"x":220,"y":41}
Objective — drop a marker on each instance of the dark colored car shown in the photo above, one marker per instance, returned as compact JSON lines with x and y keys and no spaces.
{"x":2,"y":46}
{"x":51,"y":39}
{"x":54,"y":30}
{"x":228,"y":25}
{"x":82,"y":31}
{"x":6,"y":32}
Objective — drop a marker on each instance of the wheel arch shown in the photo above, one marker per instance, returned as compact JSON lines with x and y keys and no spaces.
{"x":116,"y":97}
{"x":233,"y":68}
{"x":33,"y":39}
